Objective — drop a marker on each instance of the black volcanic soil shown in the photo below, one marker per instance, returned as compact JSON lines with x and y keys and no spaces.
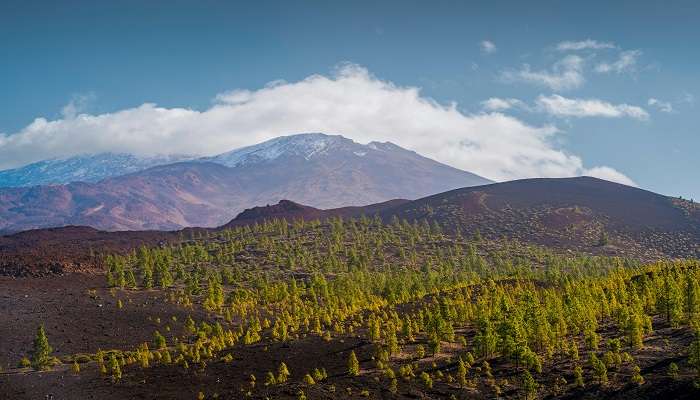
{"x":69,"y":306}
{"x":81,"y":314}
{"x":72,"y":248}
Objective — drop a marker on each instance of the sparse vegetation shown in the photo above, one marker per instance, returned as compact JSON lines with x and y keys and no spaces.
{"x":426,"y":310}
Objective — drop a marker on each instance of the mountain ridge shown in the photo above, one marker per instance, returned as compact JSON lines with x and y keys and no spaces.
{"x":82,"y":168}
{"x":315,"y":169}
{"x":92,"y":168}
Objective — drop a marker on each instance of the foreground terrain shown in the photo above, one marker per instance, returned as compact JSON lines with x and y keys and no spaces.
{"x":352,"y":308}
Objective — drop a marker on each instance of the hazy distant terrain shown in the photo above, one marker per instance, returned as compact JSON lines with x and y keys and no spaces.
{"x":315,"y":169}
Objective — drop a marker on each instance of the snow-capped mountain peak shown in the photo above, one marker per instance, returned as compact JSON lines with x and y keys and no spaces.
{"x":311,"y":147}
{"x":304,"y":145}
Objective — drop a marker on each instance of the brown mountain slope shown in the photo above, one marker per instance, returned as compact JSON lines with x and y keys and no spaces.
{"x":290,"y":211}
{"x":567,"y":212}
{"x":319,"y":170}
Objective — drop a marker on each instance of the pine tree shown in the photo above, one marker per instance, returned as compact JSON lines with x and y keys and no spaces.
{"x":529,"y":385}
{"x":462,"y":373}
{"x":635,"y":331}
{"x":434,"y":344}
{"x":309,"y":380}
{"x":270,"y":379}
{"x":692,"y":296}
{"x":637,"y":376}
{"x":115,"y":368}
{"x":694,"y":353}
{"x":147,"y":277}
{"x":420,"y":351}
{"x":427,"y":380}
{"x":282,"y":373}
{"x":578,"y":377}
{"x":159,"y":340}
{"x":190,"y":326}
{"x":673,"y":371}
{"x":599,"y":369}
{"x":353,"y":365}
{"x":41,"y":355}
{"x":75,"y":367}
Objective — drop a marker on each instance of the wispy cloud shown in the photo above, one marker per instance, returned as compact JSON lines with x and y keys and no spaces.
{"x":626,"y":62}
{"x":488,"y":47}
{"x":565,"y":74}
{"x":351,"y":102}
{"x":587,"y":44}
{"x":663,"y":106}
{"x":78,"y":104}
{"x":565,"y":107}
{"x":688,"y":98}
{"x":500,"y":104}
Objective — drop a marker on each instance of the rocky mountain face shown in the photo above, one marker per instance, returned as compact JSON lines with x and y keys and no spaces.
{"x":314,"y":169}
{"x":82,"y":168}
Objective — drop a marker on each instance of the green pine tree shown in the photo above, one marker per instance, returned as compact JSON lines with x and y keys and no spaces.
{"x":41,"y":355}
{"x":353,"y":365}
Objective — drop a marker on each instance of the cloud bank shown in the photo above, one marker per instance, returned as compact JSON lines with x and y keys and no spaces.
{"x":350,"y":102}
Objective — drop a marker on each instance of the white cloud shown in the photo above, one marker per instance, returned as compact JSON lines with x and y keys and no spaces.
{"x":500,"y":104}
{"x":565,"y":74}
{"x":609,"y":174}
{"x":587,"y":44}
{"x":688,"y":98}
{"x":351,"y":102}
{"x":566,"y":107}
{"x":663,"y":106}
{"x":488,"y":46}
{"x":626,"y":62}
{"x":77,"y":104}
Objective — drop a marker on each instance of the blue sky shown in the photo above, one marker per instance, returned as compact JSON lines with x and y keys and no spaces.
{"x":587,"y":88}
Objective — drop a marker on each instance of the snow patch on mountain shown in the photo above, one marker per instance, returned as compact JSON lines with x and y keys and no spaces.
{"x":96,"y":167}
{"x":305,"y":145}
{"x":82,"y":168}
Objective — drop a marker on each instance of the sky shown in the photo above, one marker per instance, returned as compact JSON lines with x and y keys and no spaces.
{"x":504,"y":89}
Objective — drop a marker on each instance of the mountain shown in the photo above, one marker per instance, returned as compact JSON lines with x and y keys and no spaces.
{"x":315,"y":169}
{"x":330,"y":171}
{"x":561,"y":213}
{"x":569,"y":213}
{"x":572,"y":213}
{"x":291,"y":211}
{"x":307,"y":146}
{"x":82,"y":168}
